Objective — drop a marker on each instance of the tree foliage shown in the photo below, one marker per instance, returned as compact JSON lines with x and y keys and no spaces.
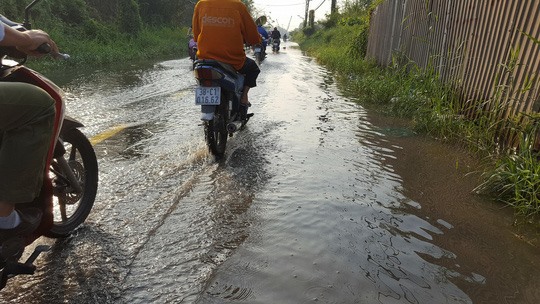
{"x":127,"y":16}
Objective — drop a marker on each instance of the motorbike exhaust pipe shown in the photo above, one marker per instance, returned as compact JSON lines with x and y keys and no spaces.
{"x":234,"y":126}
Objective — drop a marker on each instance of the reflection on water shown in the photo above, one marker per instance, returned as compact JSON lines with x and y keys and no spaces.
{"x":331,"y":226}
{"x":317,"y":200}
{"x":337,"y":222}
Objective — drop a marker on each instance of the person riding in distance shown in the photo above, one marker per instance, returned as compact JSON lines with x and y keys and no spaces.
{"x":26,"y":129}
{"x":191,"y":48}
{"x":191,"y":44}
{"x":276,"y":36}
{"x":264,"y":34}
{"x":220,"y":28}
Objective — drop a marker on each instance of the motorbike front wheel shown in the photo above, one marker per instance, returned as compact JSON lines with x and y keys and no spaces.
{"x":216,"y":129}
{"x":71,"y":207}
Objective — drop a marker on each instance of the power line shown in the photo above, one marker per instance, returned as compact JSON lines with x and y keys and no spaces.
{"x":283,"y":4}
{"x":320,"y":5}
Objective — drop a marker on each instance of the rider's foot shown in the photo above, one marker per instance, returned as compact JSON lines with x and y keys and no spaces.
{"x":11,"y":239}
{"x":244,"y":101}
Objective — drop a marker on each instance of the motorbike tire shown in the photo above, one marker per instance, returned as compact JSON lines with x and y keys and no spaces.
{"x":216,"y":129}
{"x":71,"y":209}
{"x":258,"y":58}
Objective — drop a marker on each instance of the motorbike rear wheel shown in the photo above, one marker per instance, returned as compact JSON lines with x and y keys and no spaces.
{"x":216,"y":130}
{"x":71,"y":208}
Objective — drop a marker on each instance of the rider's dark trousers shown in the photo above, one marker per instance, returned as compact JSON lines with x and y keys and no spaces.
{"x":251,"y":71}
{"x":26,"y":127}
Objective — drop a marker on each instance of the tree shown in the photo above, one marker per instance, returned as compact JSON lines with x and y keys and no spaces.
{"x":250,"y":5}
{"x":168,"y":12}
{"x":129,"y":19}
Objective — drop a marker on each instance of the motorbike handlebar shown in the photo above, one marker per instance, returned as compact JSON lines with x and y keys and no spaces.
{"x":45,"y":48}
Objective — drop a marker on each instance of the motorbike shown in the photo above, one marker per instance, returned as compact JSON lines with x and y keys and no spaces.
{"x":71,"y":172}
{"x":218,"y":93}
{"x":275,"y":45}
{"x":259,"y":54}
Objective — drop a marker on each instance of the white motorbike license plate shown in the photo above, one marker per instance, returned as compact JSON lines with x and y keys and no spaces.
{"x":208,"y":96}
{"x":257,"y":50}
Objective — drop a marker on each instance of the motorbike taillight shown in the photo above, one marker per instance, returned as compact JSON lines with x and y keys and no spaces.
{"x":207,"y":76}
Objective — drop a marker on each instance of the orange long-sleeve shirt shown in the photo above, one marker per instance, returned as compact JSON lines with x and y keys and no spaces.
{"x":220,"y":28}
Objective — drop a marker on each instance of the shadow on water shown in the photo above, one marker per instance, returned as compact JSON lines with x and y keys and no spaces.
{"x":83,"y":268}
{"x":237,"y":180}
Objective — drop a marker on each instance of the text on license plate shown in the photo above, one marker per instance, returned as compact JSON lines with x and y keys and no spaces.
{"x":208,"y":95}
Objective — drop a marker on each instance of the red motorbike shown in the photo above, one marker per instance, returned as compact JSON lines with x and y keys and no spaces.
{"x":71,"y":173}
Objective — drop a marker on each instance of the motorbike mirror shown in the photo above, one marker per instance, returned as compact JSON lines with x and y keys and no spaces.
{"x":26,"y":22}
{"x":261,"y":20}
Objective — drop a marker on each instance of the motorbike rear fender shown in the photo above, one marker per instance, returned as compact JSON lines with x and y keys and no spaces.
{"x":70,"y":123}
{"x":231,"y":82}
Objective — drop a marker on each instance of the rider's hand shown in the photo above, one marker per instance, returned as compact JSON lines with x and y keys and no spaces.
{"x":35,"y":39}
{"x":28,"y":41}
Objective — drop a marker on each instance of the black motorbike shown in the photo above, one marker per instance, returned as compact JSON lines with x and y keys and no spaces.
{"x":218,"y":94}
{"x":259,"y":54}
{"x":275,"y":45}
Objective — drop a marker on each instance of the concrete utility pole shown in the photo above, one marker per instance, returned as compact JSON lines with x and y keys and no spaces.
{"x":307,"y":11}
{"x":333,"y":7}
{"x":312,"y":18}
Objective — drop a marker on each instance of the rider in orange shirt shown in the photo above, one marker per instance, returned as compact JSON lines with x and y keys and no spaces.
{"x":220,"y":28}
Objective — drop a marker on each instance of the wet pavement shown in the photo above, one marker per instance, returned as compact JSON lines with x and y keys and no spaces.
{"x":318,"y":201}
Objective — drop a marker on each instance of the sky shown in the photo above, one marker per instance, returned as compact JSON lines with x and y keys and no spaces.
{"x":280,"y":12}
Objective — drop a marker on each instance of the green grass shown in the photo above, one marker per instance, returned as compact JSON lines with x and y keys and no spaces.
{"x":102,"y":50}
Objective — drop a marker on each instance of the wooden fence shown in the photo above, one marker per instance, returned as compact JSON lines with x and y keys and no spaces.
{"x":489,"y":50}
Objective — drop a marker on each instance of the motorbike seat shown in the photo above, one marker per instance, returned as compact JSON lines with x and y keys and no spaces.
{"x":218,"y":64}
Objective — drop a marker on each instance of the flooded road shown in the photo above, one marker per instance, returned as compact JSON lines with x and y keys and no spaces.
{"x":317,"y":201}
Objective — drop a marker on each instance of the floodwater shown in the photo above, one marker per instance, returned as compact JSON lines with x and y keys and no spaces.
{"x":318,"y":200}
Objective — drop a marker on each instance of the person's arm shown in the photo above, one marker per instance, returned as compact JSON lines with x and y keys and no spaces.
{"x":28,"y":41}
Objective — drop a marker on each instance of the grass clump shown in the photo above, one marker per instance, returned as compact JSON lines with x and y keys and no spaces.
{"x":110,"y":47}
